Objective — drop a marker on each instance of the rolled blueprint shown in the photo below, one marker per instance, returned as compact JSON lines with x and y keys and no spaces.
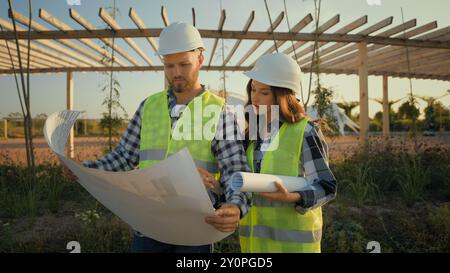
{"x":258,"y":182}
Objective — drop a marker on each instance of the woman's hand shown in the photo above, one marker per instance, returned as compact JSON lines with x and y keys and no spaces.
{"x":281,"y":194}
{"x":209,"y":181}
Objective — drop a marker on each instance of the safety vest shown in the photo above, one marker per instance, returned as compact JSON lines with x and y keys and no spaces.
{"x":157,"y":136}
{"x":277,"y":227}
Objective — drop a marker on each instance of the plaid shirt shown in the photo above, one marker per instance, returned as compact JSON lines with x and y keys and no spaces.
{"x":313,"y":165}
{"x":230,"y":154}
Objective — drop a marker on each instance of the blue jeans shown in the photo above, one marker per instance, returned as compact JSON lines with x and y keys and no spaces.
{"x":142,"y":244}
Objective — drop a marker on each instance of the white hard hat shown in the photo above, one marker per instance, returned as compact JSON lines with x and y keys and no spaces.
{"x":277,"y":69}
{"x":179,"y":37}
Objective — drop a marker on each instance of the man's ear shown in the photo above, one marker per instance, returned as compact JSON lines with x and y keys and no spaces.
{"x":201,"y":58}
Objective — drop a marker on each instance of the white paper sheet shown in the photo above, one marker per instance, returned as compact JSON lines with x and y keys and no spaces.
{"x":167,"y":202}
{"x":257,"y":182}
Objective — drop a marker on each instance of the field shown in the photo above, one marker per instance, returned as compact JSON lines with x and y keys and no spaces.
{"x":398,"y":196}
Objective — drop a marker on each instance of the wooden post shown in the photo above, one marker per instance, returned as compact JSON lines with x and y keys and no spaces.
{"x":69,"y":99}
{"x":386,"y":113}
{"x":5,"y":128}
{"x":363,"y":94}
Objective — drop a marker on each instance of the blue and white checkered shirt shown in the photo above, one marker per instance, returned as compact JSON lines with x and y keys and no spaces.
{"x":229,"y":154}
{"x":313,"y":165}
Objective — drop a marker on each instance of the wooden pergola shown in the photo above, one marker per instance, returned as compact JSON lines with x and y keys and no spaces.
{"x":404,"y":50}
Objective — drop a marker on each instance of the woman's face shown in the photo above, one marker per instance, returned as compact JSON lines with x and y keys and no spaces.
{"x":261,"y":94}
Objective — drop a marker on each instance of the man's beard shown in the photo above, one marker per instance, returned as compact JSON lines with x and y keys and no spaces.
{"x":179,"y":87}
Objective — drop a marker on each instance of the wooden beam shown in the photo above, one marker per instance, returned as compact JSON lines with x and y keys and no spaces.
{"x":295,"y":29}
{"x":238,"y":42}
{"x":164,"y":16}
{"x":140,"y":24}
{"x":392,"y":53}
{"x":414,"y":59}
{"x":52,"y":20}
{"x":34,"y":60}
{"x":56,"y":47}
{"x":33,"y":64}
{"x":327,"y":25}
{"x":383,"y":23}
{"x":107,"y":40}
{"x":51,"y":54}
{"x":223,"y":16}
{"x":344,"y":30}
{"x":387,"y":55}
{"x":255,"y":46}
{"x":337,"y":58}
{"x":386,"y":132}
{"x":53,"y":61}
{"x":108,"y":19}
{"x":227,"y":34}
{"x":69,"y":101}
{"x":363,"y":94}
{"x":76,"y":48}
{"x":443,"y":77}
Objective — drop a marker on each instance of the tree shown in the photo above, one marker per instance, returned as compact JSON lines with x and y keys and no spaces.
{"x":111,"y":89}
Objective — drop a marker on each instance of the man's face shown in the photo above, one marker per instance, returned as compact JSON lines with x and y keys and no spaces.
{"x":182,"y":69}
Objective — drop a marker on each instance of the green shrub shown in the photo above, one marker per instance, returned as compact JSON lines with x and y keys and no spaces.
{"x":412,"y":178}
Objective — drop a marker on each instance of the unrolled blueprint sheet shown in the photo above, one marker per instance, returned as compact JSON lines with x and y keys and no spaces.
{"x":258,"y":182}
{"x":167,"y":202}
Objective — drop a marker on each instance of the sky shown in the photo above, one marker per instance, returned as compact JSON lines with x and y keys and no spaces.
{"x":48,"y":91}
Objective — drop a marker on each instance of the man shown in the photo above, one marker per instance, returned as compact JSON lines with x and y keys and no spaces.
{"x":149,"y":136}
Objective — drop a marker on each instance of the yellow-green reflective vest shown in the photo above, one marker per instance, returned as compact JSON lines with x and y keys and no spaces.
{"x":277,"y":227}
{"x":196,"y":127}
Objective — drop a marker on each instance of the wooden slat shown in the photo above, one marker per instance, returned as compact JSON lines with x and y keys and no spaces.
{"x":52,"y":20}
{"x":223,"y":16}
{"x":164,"y":16}
{"x":344,"y":30}
{"x":324,"y":27}
{"x":393,"y":52}
{"x":108,"y":19}
{"x":255,"y":46}
{"x":238,"y":42}
{"x":417,"y":63}
{"x":107,"y":40}
{"x":35,"y":46}
{"x":33,"y":63}
{"x":295,"y":29}
{"x":48,"y":60}
{"x":338,"y":55}
{"x":445,"y":77}
{"x":78,"y":50}
{"x":383,"y":23}
{"x":140,"y":24}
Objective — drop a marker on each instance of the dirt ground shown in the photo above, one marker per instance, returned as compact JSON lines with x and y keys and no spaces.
{"x":94,"y":147}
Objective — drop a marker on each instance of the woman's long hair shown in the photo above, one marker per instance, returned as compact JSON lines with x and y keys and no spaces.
{"x":291,"y":109}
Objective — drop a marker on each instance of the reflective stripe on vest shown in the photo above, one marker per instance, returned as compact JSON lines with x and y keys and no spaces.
{"x":156,"y":131}
{"x":277,"y":226}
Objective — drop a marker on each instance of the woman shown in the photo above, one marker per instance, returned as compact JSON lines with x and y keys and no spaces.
{"x":285,"y":221}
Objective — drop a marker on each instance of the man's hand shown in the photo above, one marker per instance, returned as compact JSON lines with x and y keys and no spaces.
{"x":227,"y":219}
{"x":281,"y":194}
{"x":209,"y":181}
